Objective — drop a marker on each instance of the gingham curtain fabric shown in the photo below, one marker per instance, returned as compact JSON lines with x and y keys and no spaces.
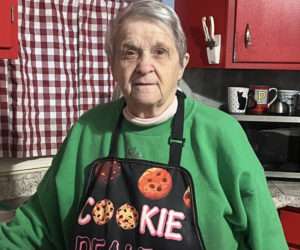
{"x":61,"y":72}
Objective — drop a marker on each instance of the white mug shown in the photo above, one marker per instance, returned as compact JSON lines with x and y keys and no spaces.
{"x":289,"y":97}
{"x":237,"y":99}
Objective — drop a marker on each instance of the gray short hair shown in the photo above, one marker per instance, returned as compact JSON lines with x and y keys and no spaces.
{"x":153,"y":11}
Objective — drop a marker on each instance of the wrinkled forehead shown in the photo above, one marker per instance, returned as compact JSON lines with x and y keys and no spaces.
{"x":136,"y":27}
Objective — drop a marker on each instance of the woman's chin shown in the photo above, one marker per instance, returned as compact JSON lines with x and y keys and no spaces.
{"x":146,"y":99}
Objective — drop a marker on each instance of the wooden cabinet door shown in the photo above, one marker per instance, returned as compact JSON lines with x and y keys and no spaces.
{"x":8,"y":29}
{"x":274,"y":29}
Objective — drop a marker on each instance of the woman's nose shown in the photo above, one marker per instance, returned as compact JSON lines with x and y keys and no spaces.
{"x":145,"y":64}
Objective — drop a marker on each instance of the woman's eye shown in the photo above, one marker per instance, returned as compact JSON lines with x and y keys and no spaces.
{"x":130,"y":53}
{"x":161,"y":52}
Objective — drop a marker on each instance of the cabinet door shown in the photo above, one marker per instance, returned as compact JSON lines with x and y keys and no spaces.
{"x":290,"y":219}
{"x":5,"y":24}
{"x":274,"y":29}
{"x":8,"y":29}
{"x":190,"y":14}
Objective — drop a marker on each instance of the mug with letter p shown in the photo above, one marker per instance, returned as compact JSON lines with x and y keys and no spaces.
{"x":261,"y":94}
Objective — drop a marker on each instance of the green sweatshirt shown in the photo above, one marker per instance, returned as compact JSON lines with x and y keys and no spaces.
{"x":234,"y":206}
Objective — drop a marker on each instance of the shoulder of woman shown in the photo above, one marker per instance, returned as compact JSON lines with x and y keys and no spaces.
{"x":209,"y":115}
{"x":102,"y":112}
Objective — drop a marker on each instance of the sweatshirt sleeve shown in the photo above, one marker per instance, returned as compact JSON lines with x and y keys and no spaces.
{"x":47,"y":218}
{"x":46,"y":221}
{"x":30,"y":229}
{"x":255,"y":221}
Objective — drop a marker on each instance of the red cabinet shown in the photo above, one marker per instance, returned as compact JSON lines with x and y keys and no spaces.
{"x":290,"y":220}
{"x":273,"y":29}
{"x":9,"y":29}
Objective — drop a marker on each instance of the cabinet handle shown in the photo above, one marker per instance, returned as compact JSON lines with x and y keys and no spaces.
{"x":247,"y":37}
{"x":12,"y":14}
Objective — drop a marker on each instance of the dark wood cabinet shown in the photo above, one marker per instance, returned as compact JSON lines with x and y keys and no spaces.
{"x":273,"y":32}
{"x":9,"y":29}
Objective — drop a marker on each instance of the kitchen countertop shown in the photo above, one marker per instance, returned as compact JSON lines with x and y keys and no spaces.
{"x":17,"y":187}
{"x":285,"y":193}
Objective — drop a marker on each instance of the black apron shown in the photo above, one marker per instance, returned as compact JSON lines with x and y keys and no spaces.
{"x":136,"y":204}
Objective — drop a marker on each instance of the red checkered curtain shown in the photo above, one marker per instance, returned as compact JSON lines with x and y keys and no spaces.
{"x":61,"y":72}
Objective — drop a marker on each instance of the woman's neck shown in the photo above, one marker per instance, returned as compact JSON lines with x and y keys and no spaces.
{"x":140,"y":120}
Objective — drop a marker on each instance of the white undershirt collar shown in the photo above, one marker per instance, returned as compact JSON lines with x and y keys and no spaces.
{"x":169,"y":112}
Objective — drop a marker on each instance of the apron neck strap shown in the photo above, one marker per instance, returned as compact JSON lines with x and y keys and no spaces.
{"x":115,"y":135}
{"x":176,"y":140}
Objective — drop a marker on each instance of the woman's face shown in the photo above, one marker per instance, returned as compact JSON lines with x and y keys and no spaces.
{"x":146,"y":66}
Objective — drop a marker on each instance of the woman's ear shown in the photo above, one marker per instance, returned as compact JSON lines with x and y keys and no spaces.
{"x":186,"y":59}
{"x":117,"y":93}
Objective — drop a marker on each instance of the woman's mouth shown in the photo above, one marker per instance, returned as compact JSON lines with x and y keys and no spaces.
{"x":144,"y":83}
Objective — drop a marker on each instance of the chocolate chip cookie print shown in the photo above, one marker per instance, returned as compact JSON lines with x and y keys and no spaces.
{"x":107,"y":171}
{"x":103,"y":211}
{"x":127,"y":217}
{"x":155,"y":183}
{"x":187,"y":197}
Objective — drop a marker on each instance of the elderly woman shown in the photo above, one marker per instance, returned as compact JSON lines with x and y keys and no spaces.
{"x":152,"y":170}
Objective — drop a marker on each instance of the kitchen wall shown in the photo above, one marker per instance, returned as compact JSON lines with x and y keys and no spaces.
{"x":210,"y":85}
